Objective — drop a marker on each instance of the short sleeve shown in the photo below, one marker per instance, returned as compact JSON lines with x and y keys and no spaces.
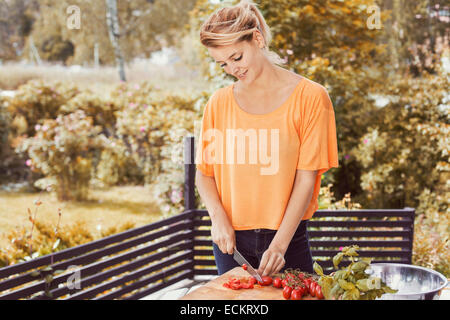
{"x":202,"y":158}
{"x":317,"y":133}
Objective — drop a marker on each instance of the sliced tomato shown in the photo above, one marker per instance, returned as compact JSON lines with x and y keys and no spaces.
{"x":247,"y":285}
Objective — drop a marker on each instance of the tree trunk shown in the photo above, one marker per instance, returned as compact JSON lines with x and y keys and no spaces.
{"x":112,"y":20}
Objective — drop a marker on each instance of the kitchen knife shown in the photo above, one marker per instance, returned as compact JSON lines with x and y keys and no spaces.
{"x":241,"y":260}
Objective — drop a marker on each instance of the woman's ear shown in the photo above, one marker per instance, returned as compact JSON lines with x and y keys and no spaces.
{"x":257,"y":36}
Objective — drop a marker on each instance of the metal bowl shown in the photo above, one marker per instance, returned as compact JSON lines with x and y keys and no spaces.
{"x":412,"y":282}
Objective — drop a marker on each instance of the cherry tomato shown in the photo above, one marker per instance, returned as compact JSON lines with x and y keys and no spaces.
{"x":301,"y":276}
{"x":252,"y":280}
{"x":296,"y":294}
{"x":284,"y":283}
{"x":244,"y":266}
{"x":266,"y":281}
{"x":277,"y":282}
{"x":287,"y":292}
{"x":312,"y":289}
{"x":290,"y":276}
{"x":307,"y":283}
{"x":303,"y":290}
{"x":319,"y":293}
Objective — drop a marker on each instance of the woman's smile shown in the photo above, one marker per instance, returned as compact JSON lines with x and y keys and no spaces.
{"x":242,"y":75}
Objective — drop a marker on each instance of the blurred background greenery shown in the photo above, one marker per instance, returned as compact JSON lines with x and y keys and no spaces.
{"x":106,"y":148}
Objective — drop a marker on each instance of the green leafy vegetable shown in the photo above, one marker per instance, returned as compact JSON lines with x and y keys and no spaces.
{"x":351,"y":282}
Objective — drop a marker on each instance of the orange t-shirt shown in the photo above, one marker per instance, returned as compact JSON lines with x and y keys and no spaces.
{"x":254,"y":158}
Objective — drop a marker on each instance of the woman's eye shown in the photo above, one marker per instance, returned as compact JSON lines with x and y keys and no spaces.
{"x":237,"y":59}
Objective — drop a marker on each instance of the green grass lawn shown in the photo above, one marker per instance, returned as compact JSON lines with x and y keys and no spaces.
{"x":106,"y":208}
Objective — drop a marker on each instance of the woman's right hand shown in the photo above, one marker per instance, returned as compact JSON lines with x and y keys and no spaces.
{"x":223,"y":235}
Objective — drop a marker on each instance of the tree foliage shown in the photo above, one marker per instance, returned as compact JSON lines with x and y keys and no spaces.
{"x":16,"y":21}
{"x":146,"y":26}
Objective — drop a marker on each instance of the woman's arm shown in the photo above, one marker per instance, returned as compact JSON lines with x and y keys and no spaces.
{"x":222,"y":232}
{"x":273,"y":258}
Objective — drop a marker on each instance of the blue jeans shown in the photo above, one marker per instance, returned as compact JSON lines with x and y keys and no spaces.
{"x":253,"y":243}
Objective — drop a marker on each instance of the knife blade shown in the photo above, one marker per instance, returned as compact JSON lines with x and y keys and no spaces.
{"x":241,"y":260}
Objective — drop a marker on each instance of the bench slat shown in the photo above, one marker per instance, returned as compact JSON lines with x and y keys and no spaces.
{"x":360,"y":224}
{"x":338,"y":243}
{"x":336,"y":233}
{"x":359,"y":233}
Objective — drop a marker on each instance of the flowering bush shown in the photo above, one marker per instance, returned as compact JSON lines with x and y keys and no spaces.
{"x":63,"y":150}
{"x":35,"y":101}
{"x":99,"y":108}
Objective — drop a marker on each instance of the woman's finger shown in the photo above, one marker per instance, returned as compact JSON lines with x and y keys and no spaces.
{"x":223,"y":246}
{"x":263,"y":263}
{"x":269,"y":266}
{"x":230,"y":246}
{"x":280,"y":265}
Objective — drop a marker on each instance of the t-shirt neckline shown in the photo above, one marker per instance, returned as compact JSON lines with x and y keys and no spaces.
{"x":269,"y":113}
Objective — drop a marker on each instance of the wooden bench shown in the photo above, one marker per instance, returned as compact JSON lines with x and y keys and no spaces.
{"x":383,"y":235}
{"x":138,"y":262}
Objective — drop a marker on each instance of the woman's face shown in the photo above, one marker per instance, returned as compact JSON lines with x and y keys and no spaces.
{"x":243,"y":60}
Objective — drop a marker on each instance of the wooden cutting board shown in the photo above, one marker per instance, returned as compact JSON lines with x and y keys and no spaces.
{"x":214,"y":290}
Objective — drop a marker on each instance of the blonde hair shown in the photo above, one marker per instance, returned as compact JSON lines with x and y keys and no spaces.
{"x":234,"y":24}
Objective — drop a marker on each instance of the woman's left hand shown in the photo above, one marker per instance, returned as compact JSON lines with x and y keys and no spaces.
{"x":272,"y":261}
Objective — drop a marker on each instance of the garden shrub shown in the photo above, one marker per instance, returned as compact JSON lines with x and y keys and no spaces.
{"x":64,"y":150}
{"x":99,"y":108}
{"x":35,"y":101}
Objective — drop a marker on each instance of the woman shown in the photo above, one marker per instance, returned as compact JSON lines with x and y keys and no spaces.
{"x":264,"y":144}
